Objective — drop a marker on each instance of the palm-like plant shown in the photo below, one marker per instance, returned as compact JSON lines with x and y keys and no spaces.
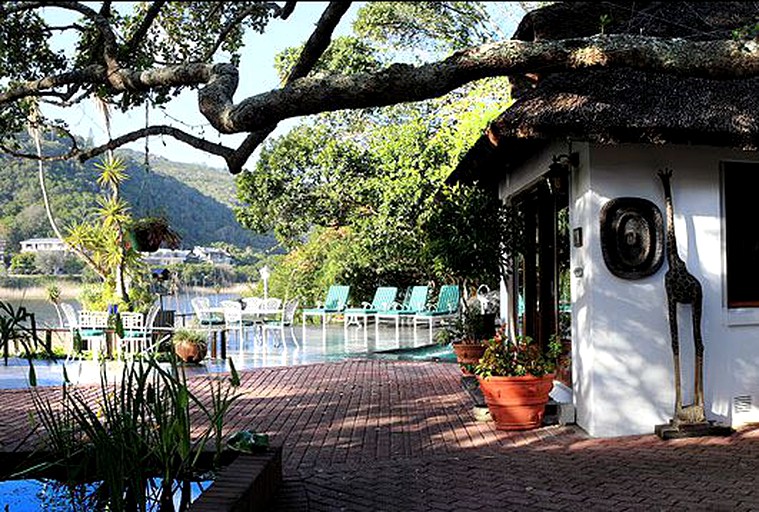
{"x":112,"y":173}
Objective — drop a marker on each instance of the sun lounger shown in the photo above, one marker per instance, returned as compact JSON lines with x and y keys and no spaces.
{"x":383,"y":299}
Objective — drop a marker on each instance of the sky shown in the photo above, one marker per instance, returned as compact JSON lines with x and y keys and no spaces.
{"x":257,"y":75}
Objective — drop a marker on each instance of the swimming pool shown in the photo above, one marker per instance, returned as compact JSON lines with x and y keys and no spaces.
{"x":334,"y":343}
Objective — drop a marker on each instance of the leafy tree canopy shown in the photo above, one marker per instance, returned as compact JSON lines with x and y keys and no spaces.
{"x":347,"y":191}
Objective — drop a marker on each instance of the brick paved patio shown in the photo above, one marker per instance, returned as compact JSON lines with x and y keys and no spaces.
{"x":377,"y":435}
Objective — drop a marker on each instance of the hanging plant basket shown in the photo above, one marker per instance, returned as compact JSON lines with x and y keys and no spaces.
{"x":141,"y":241}
{"x":147,"y":234}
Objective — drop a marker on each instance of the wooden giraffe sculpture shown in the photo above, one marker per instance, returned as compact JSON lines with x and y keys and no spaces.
{"x":682,"y":288}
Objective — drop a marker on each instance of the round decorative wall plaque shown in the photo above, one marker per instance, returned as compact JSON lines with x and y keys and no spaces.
{"x":632,"y":237}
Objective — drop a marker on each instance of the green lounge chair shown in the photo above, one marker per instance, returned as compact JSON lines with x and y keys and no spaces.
{"x":337,"y":296}
{"x":383,"y":299}
{"x":415,"y":302}
{"x":447,"y":307}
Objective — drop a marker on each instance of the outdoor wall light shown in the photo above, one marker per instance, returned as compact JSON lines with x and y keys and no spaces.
{"x":558,"y":171}
{"x":563,"y":161}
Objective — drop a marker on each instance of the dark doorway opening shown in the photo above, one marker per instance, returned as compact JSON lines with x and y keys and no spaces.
{"x":543,"y":275}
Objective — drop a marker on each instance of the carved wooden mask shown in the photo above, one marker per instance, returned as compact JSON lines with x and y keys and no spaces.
{"x":632,"y":237}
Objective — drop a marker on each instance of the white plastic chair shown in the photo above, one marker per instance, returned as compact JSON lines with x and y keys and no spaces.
{"x":138,"y":330}
{"x":91,"y":327}
{"x":70,"y":317}
{"x":70,"y":322}
{"x":252,"y":303}
{"x":271,"y":304}
{"x":286,"y":320}
{"x":233,"y":319}
{"x":202,"y":308}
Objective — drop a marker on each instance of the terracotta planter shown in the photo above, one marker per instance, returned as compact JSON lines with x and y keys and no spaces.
{"x":467,"y":353}
{"x":189,"y":352}
{"x":516,"y":403}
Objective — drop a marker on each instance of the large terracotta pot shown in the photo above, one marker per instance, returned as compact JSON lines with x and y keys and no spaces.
{"x":190,"y":352}
{"x":467,"y":354}
{"x":516,"y":403}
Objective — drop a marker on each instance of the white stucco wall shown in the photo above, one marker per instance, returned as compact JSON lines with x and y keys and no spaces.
{"x":622,"y":359}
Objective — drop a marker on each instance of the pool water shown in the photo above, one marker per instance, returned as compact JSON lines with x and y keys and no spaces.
{"x":314,"y":345}
{"x":53,"y":496}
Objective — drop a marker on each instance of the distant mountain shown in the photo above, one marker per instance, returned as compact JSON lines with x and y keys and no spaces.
{"x":196,"y":199}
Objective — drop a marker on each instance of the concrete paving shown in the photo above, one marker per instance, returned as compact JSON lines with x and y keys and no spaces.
{"x":392,"y":435}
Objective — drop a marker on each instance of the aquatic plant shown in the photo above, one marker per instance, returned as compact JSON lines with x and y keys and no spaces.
{"x":135,"y":429}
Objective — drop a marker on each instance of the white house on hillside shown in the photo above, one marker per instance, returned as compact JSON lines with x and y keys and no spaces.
{"x":43,"y":245}
{"x":212,"y":255}
{"x":165,"y":257}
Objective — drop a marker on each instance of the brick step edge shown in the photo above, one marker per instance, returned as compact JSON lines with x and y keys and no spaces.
{"x":249,"y":483}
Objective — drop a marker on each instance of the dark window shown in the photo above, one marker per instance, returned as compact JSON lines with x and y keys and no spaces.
{"x":741,"y":201}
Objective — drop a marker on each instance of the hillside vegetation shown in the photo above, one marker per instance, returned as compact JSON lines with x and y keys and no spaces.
{"x":196,"y":199}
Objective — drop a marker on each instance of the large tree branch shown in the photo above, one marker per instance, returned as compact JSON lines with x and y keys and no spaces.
{"x":404,"y":83}
{"x":313,"y":49}
{"x":150,"y":15}
{"x":319,"y":40}
{"x":75,"y":152}
{"x":196,"y":142}
{"x":88,"y":75}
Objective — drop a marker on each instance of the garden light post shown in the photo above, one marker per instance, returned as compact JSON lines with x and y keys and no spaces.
{"x":265,"y":273}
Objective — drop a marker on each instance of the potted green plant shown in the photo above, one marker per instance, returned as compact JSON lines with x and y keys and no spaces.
{"x":189,"y":345}
{"x":467,"y":335}
{"x":148,"y":233}
{"x":515,"y":377}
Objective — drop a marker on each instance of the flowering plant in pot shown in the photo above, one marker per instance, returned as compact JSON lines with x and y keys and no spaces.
{"x":515,"y":377}
{"x":190,"y":346}
{"x":148,"y":233}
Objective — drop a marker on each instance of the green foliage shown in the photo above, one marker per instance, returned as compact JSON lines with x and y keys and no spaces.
{"x":345,"y":192}
{"x":58,"y":262}
{"x":307,"y":177}
{"x":441,"y":26}
{"x":25,"y":54}
{"x":96,"y":297}
{"x":53,"y":293}
{"x":747,"y":32}
{"x":139,"y":428}
{"x":194,"y":29}
{"x":309,"y":270}
{"x":190,"y":336}
{"x":373,"y":173}
{"x":197,"y":199}
{"x":155,"y":231}
{"x":467,"y":231}
{"x":24,"y":263}
{"x":344,"y":55}
{"x":516,"y":358}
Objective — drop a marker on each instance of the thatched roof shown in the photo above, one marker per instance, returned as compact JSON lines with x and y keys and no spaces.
{"x":622,"y":105}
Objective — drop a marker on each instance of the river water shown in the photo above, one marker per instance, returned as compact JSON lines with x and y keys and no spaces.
{"x":46,"y":315}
